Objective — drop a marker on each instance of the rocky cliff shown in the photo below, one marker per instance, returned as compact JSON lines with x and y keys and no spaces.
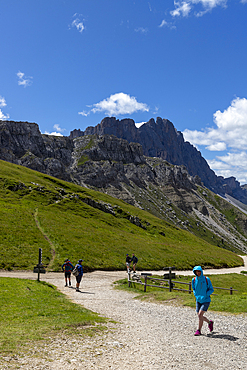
{"x":160,"y":139}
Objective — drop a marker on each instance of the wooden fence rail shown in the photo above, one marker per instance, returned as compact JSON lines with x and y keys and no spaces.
{"x":136,"y":278}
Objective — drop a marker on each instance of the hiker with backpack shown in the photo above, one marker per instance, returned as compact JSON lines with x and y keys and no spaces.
{"x":67,"y":267}
{"x":134,"y":259}
{"x":79,"y":274}
{"x":202,"y":289}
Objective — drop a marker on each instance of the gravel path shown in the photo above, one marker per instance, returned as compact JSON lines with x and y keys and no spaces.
{"x":145,"y":336}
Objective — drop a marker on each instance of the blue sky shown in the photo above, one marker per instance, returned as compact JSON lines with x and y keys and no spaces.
{"x":67,"y":64}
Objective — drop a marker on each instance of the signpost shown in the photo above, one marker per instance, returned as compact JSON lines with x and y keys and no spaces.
{"x":39,"y":268}
{"x":169,"y":276}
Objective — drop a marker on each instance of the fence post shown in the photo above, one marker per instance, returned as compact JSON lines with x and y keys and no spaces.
{"x":145,"y":283}
{"x":40,"y":262}
{"x":170,"y":279}
{"x":129,"y":278}
{"x":190,"y":288}
{"x":230,"y":290}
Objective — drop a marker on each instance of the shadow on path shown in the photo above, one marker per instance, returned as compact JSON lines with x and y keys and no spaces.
{"x":223,"y":336}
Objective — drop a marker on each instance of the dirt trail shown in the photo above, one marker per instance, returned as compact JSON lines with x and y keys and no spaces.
{"x":144,"y":336}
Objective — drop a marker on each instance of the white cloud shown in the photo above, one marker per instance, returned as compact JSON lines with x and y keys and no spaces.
{"x":23,"y":80}
{"x":77,"y":23}
{"x":234,"y":117}
{"x":231,"y":131}
{"x":217,"y":147}
{"x":84,"y":113}
{"x":2,"y":102}
{"x":53,"y":133}
{"x":57,"y":132}
{"x":58,"y":128}
{"x":229,"y":134}
{"x":183,"y":8}
{"x":244,"y":1}
{"x":231,"y":164}
{"x":156,"y":109}
{"x":139,"y":124}
{"x":119,"y":104}
{"x":3,"y":116}
{"x":163,"y":23}
{"x":141,"y":30}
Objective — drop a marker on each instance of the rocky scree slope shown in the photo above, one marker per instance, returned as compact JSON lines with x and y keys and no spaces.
{"x":120,"y":169}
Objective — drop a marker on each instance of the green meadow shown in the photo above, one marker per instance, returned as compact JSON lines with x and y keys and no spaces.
{"x":31,"y":311}
{"x":39,"y":211}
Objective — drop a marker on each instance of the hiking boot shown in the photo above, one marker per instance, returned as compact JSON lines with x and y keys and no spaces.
{"x":197,"y":332}
{"x":77,"y":290}
{"x":211,"y":325}
{"x":70,"y":283}
{"x":65,"y":285}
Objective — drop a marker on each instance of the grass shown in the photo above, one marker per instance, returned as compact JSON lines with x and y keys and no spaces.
{"x":222,"y":301}
{"x":39,"y":211}
{"x":32,"y":311}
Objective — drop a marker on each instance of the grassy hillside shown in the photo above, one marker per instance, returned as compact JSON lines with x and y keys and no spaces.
{"x":39,"y":211}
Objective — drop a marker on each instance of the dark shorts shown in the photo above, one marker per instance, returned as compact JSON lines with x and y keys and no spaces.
{"x":78,"y":278}
{"x":67,"y":274}
{"x":202,"y":306}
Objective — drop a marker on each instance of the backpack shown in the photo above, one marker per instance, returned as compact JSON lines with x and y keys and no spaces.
{"x":205,"y":278}
{"x":75,"y":272}
{"x":206,"y":281}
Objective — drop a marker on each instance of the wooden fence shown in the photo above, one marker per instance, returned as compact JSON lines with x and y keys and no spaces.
{"x":144,"y":277}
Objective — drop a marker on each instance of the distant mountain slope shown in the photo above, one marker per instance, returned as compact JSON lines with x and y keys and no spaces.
{"x":69,"y":221}
{"x":118,"y":168}
{"x":160,"y":139}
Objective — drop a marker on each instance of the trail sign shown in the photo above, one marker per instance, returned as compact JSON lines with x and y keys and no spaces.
{"x":39,"y":268}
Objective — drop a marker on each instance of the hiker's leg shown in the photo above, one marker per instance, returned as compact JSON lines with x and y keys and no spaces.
{"x":201,"y":319}
{"x":78,"y":280}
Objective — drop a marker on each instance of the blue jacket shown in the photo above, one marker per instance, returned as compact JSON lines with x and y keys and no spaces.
{"x":80,"y":269}
{"x":202,"y":287}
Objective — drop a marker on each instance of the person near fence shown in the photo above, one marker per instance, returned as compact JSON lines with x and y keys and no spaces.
{"x":128,"y":262}
{"x":134,"y":259}
{"x":79,"y":276}
{"x":202,"y":289}
{"x":67,"y":267}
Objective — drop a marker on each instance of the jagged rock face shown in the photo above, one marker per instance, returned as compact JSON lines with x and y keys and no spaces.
{"x":22,"y":143}
{"x":17,"y":138}
{"x":104,"y":161}
{"x":97,"y":161}
{"x":115,"y":161}
{"x":159,"y":139}
{"x":109,"y":148}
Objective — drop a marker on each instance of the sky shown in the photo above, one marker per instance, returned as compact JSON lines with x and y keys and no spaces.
{"x":67,"y":64}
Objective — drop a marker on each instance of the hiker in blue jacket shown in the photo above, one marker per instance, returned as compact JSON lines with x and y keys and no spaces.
{"x":67,"y":267}
{"x":79,"y":276}
{"x":202,"y":289}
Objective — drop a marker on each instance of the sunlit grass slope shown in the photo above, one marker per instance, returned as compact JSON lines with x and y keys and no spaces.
{"x":32,"y":310}
{"x":39,"y":211}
